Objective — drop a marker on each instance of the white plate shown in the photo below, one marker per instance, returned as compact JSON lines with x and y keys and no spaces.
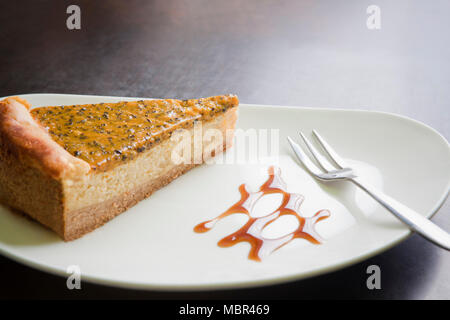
{"x":153,"y":246}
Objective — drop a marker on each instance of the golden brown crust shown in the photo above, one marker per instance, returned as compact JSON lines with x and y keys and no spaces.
{"x":30,"y":190}
{"x":32,"y":145}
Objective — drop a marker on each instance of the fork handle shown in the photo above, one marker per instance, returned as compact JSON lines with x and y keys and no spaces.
{"x":414,"y":220}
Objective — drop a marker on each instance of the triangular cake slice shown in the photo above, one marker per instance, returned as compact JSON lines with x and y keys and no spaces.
{"x":73,"y":168}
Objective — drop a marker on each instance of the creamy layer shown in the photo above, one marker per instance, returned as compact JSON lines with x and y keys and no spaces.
{"x":214,"y":135}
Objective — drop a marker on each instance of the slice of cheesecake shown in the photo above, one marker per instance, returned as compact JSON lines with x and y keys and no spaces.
{"x":73,"y":168}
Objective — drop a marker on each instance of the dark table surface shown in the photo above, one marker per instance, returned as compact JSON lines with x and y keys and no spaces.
{"x":312,"y":53}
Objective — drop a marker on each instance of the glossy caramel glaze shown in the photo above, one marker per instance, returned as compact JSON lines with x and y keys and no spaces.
{"x":108,"y":134}
{"x":252,"y":231}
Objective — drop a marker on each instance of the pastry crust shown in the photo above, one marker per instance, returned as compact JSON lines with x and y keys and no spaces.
{"x":33,"y":145}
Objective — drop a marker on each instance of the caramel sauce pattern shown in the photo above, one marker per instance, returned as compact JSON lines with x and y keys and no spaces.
{"x":108,"y":134}
{"x":251,"y":232}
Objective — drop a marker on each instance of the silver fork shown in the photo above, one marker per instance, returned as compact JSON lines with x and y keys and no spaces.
{"x":341,"y":171}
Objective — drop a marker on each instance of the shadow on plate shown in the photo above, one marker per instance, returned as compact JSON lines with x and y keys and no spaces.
{"x":17,"y":229}
{"x":346,"y":193}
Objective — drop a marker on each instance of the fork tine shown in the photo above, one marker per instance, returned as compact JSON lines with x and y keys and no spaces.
{"x":324,"y":163}
{"x":333,"y":155}
{"x":304,"y":159}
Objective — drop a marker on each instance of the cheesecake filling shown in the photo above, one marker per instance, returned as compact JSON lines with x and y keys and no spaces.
{"x":149,"y":166}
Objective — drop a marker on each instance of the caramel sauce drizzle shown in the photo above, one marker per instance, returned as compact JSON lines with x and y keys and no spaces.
{"x":251,"y":232}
